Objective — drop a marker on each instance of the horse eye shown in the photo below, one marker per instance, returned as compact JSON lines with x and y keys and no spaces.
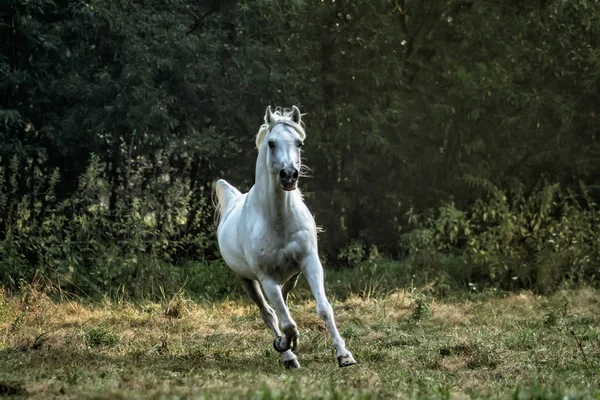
{"x":300,"y":143}
{"x":271,"y":144}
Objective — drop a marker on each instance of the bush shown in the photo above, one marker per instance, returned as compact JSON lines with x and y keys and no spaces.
{"x":511,"y":239}
{"x":88,"y":244}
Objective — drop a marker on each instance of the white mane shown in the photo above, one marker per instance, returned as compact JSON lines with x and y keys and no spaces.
{"x":280,"y":115}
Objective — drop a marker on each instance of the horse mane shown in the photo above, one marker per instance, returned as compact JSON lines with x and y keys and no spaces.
{"x":280,"y":115}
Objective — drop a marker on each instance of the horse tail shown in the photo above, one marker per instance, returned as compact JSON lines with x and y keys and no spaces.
{"x":225,"y":196}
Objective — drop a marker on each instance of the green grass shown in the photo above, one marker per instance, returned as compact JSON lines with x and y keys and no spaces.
{"x":408,"y":345}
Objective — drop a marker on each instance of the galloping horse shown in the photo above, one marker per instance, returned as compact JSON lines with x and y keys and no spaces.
{"x":268,"y":235}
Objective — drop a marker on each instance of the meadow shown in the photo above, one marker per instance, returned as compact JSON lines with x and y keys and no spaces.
{"x":409,"y":343}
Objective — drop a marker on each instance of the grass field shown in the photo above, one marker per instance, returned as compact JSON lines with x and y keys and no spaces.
{"x":407,"y":344}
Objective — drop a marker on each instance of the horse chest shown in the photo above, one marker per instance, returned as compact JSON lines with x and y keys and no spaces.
{"x":276,"y":258}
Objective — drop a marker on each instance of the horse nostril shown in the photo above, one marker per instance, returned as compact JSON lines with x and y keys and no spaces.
{"x":295,"y":175}
{"x":282,"y":174}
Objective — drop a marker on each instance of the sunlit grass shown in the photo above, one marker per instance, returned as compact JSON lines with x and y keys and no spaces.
{"x":407,"y":344}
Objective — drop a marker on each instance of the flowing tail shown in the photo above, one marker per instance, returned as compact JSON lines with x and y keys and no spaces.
{"x":225,"y":196}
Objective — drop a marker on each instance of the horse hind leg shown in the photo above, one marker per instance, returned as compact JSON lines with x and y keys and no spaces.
{"x":289,"y":339}
{"x":269,"y":317}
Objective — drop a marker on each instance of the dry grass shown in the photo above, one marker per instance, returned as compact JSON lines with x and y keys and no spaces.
{"x":486,"y":346}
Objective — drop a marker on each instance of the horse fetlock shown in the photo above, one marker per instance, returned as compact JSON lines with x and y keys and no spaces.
{"x":281,"y":344}
{"x":291,"y":334}
{"x":286,"y":342}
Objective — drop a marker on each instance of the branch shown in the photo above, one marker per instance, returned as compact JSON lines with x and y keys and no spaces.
{"x":400,"y":6}
{"x":200,"y":19}
{"x":579,"y":345}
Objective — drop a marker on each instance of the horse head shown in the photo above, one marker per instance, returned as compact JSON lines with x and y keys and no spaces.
{"x":280,"y":139}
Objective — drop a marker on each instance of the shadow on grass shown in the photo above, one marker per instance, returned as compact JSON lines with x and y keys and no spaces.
{"x":54,"y":360}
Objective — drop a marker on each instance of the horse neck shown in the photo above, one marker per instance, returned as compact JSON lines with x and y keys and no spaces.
{"x":271,"y":201}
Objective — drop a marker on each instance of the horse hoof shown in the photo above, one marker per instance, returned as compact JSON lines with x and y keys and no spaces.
{"x":291,"y":364}
{"x":277,"y":344}
{"x":346,"y":361}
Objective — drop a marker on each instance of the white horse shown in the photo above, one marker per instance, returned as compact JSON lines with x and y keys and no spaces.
{"x":268,"y":235}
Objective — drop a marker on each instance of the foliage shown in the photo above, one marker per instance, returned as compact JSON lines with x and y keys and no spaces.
{"x":513,"y":239}
{"x":78,"y":244}
{"x":409,"y":105}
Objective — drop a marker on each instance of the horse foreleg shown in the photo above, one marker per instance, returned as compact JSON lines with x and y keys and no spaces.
{"x":268,"y":315}
{"x":314,"y":274}
{"x":289,"y":339}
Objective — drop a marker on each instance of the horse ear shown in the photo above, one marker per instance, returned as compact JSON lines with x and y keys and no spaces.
{"x":268,"y":115}
{"x":296,"y":115}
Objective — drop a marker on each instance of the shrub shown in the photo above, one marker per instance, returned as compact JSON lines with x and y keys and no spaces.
{"x":511,"y":239}
{"x":122,"y":239}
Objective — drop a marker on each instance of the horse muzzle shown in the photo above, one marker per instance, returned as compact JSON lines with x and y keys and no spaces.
{"x":288,"y":178}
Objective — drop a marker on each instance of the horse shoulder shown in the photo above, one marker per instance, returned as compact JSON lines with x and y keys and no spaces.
{"x":302,"y":243}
